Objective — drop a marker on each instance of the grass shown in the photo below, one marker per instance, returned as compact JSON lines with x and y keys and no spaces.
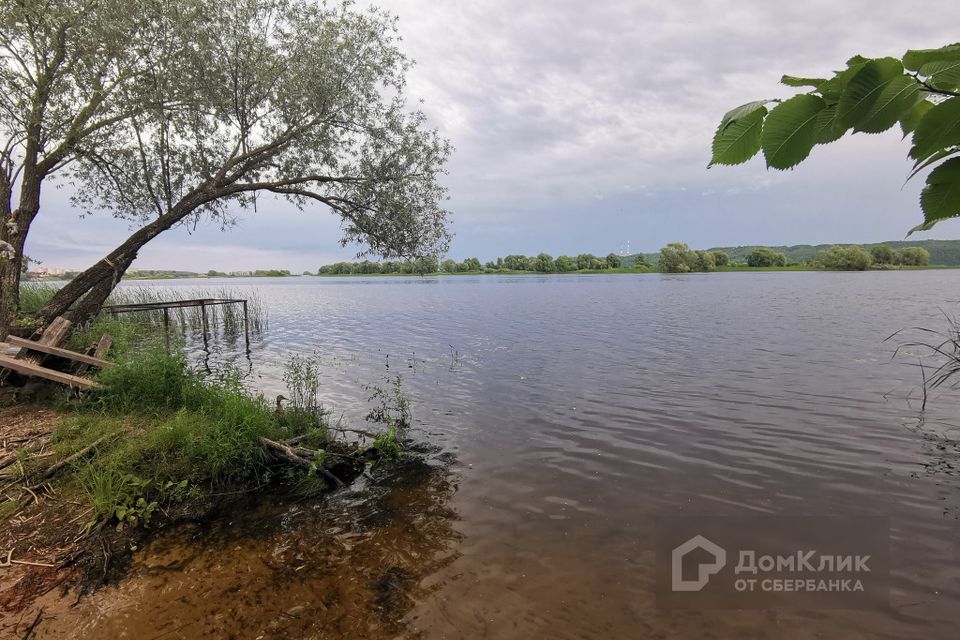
{"x":182,"y":436}
{"x":165,"y":433}
{"x":33,"y":295}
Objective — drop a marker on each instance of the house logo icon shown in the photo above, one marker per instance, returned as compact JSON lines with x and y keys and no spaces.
{"x":704,"y":570}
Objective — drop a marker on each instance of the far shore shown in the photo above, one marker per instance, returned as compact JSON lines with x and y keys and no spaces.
{"x":505,"y":272}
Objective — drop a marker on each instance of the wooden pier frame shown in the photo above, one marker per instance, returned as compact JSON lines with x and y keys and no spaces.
{"x":203,"y":303}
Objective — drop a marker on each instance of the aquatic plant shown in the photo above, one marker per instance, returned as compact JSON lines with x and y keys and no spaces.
{"x":391,"y":404}
{"x":942,"y":346}
{"x":302,"y":377}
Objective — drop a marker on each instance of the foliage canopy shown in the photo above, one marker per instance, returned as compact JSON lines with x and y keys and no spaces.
{"x":921,"y":92}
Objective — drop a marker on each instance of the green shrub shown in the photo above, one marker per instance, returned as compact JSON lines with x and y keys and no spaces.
{"x":912,"y":256}
{"x":675,"y":258}
{"x":881,"y":254}
{"x":565,"y":264}
{"x":840,"y":258}
{"x":766,"y":257}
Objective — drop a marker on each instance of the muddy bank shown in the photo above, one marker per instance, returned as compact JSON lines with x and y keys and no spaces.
{"x":349,"y":564}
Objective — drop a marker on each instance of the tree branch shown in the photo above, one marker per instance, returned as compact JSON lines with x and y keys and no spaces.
{"x":929,"y":88}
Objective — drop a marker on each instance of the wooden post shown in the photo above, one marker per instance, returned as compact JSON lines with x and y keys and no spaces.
{"x":166,"y":327}
{"x":246,"y":326}
{"x":203,"y":315}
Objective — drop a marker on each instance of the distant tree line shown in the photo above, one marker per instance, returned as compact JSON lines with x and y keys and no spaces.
{"x":541,"y":263}
{"x":426,"y":264}
{"x":259,"y":273}
{"x":677,"y":257}
{"x":853,"y":258}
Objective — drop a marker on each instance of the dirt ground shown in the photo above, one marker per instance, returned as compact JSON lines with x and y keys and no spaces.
{"x":40,"y":528}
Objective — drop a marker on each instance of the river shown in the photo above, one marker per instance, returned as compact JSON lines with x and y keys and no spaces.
{"x":565,"y":415}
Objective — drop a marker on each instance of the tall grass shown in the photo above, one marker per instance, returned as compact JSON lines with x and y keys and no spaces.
{"x":225,"y":321}
{"x":33,"y":295}
{"x":942,"y":346}
{"x":228,"y":318}
{"x":180,"y":431}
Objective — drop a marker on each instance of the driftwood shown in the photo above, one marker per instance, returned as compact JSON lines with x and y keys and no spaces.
{"x":54,"y":468}
{"x":6,"y":461}
{"x":296,"y":456}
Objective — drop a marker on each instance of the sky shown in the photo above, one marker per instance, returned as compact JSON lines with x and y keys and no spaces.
{"x":585,"y":126}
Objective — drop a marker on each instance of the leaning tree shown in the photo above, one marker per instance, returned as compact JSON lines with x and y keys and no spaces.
{"x":71,"y":71}
{"x":920,"y":91}
{"x":277,"y":99}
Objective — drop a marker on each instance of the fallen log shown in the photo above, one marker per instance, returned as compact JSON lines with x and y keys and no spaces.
{"x":290,"y":454}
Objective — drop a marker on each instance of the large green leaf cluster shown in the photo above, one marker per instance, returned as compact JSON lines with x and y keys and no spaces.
{"x":920,"y":92}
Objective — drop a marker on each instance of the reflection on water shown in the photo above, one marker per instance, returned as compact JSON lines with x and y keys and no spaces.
{"x":579,"y":409}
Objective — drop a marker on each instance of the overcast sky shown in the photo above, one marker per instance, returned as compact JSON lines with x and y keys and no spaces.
{"x":580,"y":126}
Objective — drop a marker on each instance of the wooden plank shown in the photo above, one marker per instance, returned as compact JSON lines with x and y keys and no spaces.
{"x":30,"y":369}
{"x":98,"y":350}
{"x":57,"y":351}
{"x":52,"y":335}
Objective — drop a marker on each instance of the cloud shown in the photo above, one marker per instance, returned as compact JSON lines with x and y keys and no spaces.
{"x":578,"y":125}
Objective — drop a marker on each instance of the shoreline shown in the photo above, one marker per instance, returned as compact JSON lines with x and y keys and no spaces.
{"x":584,"y":272}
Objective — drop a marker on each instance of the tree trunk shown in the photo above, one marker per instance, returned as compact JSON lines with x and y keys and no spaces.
{"x":15,"y":227}
{"x":82,"y":298}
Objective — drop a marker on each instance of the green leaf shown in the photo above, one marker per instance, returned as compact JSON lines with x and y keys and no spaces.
{"x":832,"y":89}
{"x":936,"y":157}
{"x":895,"y":100}
{"x":912,"y":117}
{"x":940,"y":199}
{"x":938,"y":129}
{"x":738,"y":137}
{"x":942,"y":75}
{"x":790,"y":130}
{"x":916,"y":58}
{"x":857,"y":61}
{"x":865,"y":89}
{"x":742,"y":111}
{"x":794,"y":81}
{"x":828,"y":128}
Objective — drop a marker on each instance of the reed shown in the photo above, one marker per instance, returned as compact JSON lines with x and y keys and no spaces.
{"x":224,"y":320}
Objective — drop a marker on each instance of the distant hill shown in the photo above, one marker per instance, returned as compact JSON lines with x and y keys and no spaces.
{"x":942,"y":252}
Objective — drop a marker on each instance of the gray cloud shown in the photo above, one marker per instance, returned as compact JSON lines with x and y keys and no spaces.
{"x":578,"y":125}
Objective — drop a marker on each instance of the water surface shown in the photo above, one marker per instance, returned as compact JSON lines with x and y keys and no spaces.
{"x":576,"y":410}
